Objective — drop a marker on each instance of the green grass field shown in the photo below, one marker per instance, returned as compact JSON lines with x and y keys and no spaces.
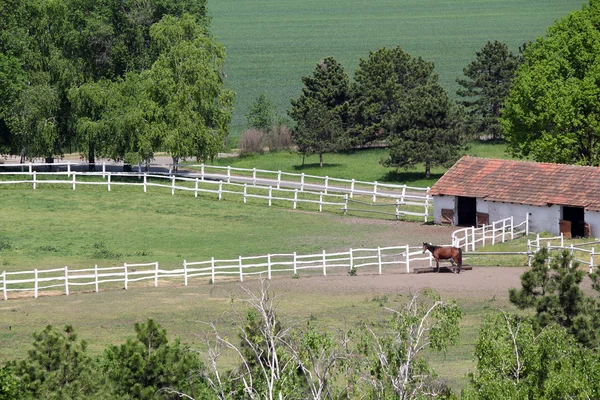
{"x":272,"y":44}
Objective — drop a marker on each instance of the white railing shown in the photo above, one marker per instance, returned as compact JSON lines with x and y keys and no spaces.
{"x":557,"y":243}
{"x":399,"y":259}
{"x":497,"y":232}
{"x":402,"y":206}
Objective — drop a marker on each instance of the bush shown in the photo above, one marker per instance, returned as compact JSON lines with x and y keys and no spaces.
{"x":251,"y":141}
{"x":280,"y":138}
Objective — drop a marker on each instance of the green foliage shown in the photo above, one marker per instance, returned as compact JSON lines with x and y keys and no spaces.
{"x":425,"y":129}
{"x":352,"y":272}
{"x":487,"y":83}
{"x":554,"y":292}
{"x":382,"y":83}
{"x":516,"y":361}
{"x":9,"y":386}
{"x":148,"y":367}
{"x":58,"y":367}
{"x":321,"y":111}
{"x":392,"y":362}
{"x":262,"y":114}
{"x":552,"y":113}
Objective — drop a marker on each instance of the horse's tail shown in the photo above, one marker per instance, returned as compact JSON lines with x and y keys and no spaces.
{"x":459,"y":259}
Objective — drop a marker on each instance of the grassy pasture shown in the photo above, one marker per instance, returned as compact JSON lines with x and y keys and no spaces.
{"x":272,"y":44}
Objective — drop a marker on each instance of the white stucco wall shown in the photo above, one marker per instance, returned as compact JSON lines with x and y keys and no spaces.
{"x":443,"y":202}
{"x":593,"y":218}
{"x":541,"y":219}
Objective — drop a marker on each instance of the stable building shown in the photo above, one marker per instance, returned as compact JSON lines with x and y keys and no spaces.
{"x":555,"y":197}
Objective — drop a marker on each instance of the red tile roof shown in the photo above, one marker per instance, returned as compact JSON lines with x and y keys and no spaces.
{"x":522,"y":182}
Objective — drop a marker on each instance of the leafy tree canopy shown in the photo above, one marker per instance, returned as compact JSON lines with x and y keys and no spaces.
{"x":487,"y":83}
{"x":552,"y":113}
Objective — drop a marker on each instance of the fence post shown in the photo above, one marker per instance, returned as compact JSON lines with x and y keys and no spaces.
{"x":196,"y":188}
{"x":212,"y":270}
{"x":108,"y":182}
{"x":407,"y":259}
{"x":351,"y":260}
{"x":173,"y":184}
{"x":156,"y":273}
{"x":320,"y":201}
{"x":241,"y":270}
{"x":4,"y":284}
{"x":34,"y":180}
{"x":278,"y":179}
{"x":220,"y":189}
{"x":185,"y":278}
{"x":202,"y":172}
{"x":345,"y":204}
{"x":379,"y":258}
{"x":254,"y":176}
{"x":74,"y":180}
{"x":529,"y":254}
{"x":30,"y":168}
{"x":270,"y":194}
{"x":326,"y":183}
{"x":35,"y":283}
{"x":590,"y":271}
{"x":473,"y":238}
{"x":302,"y":182}
{"x":96,"y":276}
{"x":245,"y":189}
{"x":375,"y":192}
{"x":562,"y":240}
{"x":537,"y":243}
{"x":397,"y":209}
{"x":295,"y":197}
{"x":324,"y":264}
{"x":512,"y":228}
{"x":269,"y":266}
{"x":295,"y":268}
{"x":66,"y":280}
{"x":527,"y":224}
{"x":503,"y":230}
{"x":104,"y":170}
{"x":229,"y":174}
{"x":68,"y":168}
{"x":125,"y":268}
{"x":352,"y":188}
{"x":145,"y":181}
{"x":483,"y":235}
{"x":571,"y":262}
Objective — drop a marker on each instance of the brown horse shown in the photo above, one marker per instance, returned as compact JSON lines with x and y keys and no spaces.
{"x":445,"y":253}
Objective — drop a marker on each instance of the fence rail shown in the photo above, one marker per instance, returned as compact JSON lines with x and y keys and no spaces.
{"x":496,"y":232}
{"x":399,"y":259}
{"x":406,"y":204}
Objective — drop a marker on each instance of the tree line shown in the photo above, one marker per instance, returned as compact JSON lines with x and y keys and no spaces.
{"x":550,"y":353}
{"x":111,"y":79}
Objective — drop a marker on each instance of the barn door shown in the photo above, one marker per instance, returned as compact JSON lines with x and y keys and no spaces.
{"x":447,"y":216}
{"x":483,"y":219}
{"x":565,"y":228}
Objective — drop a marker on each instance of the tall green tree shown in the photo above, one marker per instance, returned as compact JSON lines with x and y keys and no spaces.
{"x":149,"y":367}
{"x":58,"y":367}
{"x":426,"y":129}
{"x":485,"y":87}
{"x":555,"y":294}
{"x":382,"y":82}
{"x":552,"y":113}
{"x":262,"y":114}
{"x":321,"y":111}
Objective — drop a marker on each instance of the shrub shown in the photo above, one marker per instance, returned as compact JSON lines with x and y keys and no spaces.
{"x":251,"y":141}
{"x":280,"y":138}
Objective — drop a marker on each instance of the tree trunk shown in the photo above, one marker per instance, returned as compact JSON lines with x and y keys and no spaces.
{"x":175,"y":163}
{"x":321,"y":160}
{"x":91,"y":159}
{"x":427,"y":170}
{"x":49,"y":160}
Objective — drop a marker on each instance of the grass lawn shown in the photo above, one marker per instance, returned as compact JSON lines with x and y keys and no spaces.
{"x":271,"y":44}
{"x":362,"y":165}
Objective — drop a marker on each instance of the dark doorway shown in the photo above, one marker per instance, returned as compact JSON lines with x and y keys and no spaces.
{"x":467,"y":211}
{"x":576,"y":216}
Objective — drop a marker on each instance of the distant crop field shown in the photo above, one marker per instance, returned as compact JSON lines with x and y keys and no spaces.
{"x":272,"y":44}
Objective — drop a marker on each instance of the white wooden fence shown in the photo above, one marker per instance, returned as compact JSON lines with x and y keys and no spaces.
{"x":497,"y":232}
{"x":557,"y":243}
{"x":400,"y":202}
{"x":398,"y":259}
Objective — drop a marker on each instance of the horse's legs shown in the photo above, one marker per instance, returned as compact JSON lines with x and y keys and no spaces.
{"x":437,"y":265}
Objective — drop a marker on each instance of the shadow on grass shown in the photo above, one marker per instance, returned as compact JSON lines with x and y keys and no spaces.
{"x":316,"y":165}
